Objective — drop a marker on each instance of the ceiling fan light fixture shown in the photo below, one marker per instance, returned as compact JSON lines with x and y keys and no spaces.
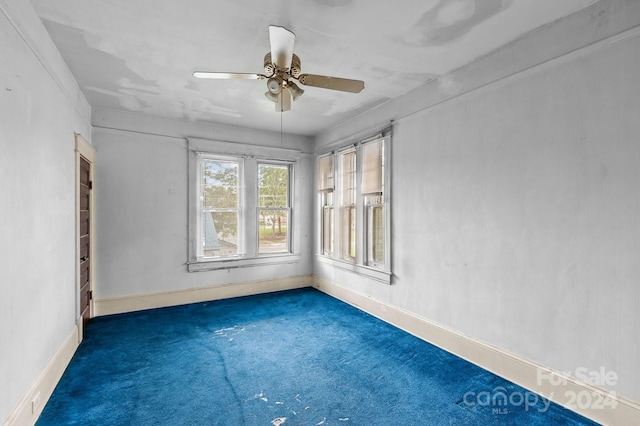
{"x":284,"y":103}
{"x":274,"y":84}
{"x":281,"y":66}
{"x":273,"y":97}
{"x":296,"y":91}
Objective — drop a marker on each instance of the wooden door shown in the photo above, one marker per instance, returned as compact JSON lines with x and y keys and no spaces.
{"x":85,"y":239}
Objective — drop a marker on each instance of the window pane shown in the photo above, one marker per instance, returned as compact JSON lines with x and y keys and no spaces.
{"x":348,"y":176}
{"x":220,"y":184}
{"x":220,"y":233}
{"x":349,"y":233}
{"x":327,"y":231}
{"x":273,"y":231}
{"x":372,"y":169}
{"x":273,"y":185}
{"x":348,"y":198}
{"x":325,"y":173}
{"x":220,"y":208}
{"x":375,"y":234}
{"x":327,"y":223}
{"x":273,"y":213}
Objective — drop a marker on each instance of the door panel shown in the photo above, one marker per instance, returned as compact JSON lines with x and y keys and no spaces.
{"x":85,"y":239}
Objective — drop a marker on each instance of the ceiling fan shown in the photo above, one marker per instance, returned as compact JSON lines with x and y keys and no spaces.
{"x":282,"y":70}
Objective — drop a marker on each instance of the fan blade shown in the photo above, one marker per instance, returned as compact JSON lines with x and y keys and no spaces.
{"x":334,"y":83}
{"x":284,"y":101}
{"x":228,"y":75}
{"x":282,"y":41}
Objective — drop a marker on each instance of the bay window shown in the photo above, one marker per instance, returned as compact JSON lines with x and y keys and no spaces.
{"x":361,"y":207}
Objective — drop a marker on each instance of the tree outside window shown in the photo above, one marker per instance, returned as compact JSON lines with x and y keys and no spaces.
{"x":273,"y":208}
{"x":220,"y":207}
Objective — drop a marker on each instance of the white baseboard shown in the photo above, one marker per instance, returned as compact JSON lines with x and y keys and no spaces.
{"x":592,"y":402}
{"x":615,"y":410}
{"x":26,"y":413}
{"x":138,"y":302}
{"x":32,"y":403}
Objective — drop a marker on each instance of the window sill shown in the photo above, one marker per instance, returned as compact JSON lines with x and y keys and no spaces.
{"x":215,"y":264}
{"x":366,"y":271}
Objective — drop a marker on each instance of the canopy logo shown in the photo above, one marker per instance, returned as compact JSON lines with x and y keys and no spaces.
{"x":500,"y":401}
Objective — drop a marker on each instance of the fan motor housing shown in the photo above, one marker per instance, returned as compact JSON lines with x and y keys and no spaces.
{"x":270,"y":67}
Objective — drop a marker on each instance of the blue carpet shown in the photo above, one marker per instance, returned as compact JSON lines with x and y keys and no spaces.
{"x":292,"y":358}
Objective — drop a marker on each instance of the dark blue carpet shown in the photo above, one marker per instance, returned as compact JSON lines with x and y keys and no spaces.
{"x":294,"y":358}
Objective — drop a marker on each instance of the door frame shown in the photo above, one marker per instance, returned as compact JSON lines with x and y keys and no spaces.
{"x":85,"y":150}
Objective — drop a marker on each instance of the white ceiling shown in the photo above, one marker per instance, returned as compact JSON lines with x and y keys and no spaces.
{"x":139,"y":55}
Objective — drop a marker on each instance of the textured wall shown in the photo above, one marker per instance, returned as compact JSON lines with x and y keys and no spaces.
{"x":40,"y":109}
{"x":142,"y":210}
{"x":515,"y":215}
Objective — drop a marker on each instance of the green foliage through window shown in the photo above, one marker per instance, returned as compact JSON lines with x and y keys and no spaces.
{"x":273,"y":208}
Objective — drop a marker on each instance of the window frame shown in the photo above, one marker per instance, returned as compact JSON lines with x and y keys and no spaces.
{"x":361,"y":264}
{"x":288,"y":209}
{"x":327,"y":226}
{"x":348,"y":205}
{"x":251,"y":156}
{"x":373,"y":198}
{"x":326,"y":172}
{"x":369,"y":246}
{"x":202,"y":157}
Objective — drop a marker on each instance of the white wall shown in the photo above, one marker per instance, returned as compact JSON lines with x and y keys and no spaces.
{"x":515,"y":216}
{"x":142,"y":211}
{"x":40,"y":109}
{"x":515,"y":205}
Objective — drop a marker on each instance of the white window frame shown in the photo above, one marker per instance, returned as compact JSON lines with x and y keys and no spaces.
{"x":369,"y":245}
{"x":327,"y":223}
{"x":372,"y":198}
{"x":326,"y":172}
{"x":287,"y":209}
{"x":251,"y":156}
{"x":346,"y":240}
{"x":241,"y":217}
{"x":361,"y":264}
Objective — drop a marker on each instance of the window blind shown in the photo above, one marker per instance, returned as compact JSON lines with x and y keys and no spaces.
{"x":372,"y":163}
{"x":325,"y":173}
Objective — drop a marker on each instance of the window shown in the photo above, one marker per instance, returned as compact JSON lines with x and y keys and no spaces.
{"x":241,"y":205}
{"x":361,"y":207}
{"x":373,"y":192}
{"x":325,"y":188}
{"x":221,"y":218}
{"x":375,"y":231}
{"x":348,"y":204}
{"x":327,"y":223}
{"x":273,"y":208}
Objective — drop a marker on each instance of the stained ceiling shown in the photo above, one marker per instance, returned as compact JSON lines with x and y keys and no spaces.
{"x":139,"y":55}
